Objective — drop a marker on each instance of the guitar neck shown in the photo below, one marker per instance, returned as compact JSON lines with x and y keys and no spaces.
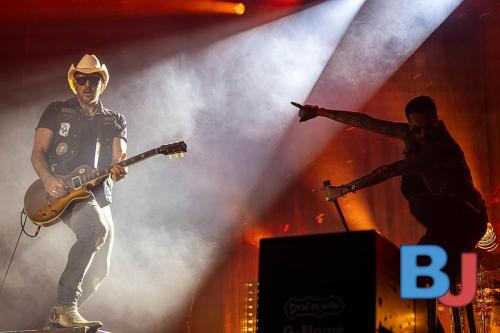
{"x":125,"y":163}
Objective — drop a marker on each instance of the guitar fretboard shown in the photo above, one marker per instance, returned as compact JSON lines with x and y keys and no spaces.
{"x":177,"y":149}
{"x":129,"y":161}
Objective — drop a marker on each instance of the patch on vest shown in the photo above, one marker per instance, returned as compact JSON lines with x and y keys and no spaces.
{"x":61,"y":149}
{"x":64,"y":130}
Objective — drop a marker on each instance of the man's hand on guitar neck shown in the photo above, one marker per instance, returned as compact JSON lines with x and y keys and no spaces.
{"x":55,"y":186}
{"x":118,"y":172}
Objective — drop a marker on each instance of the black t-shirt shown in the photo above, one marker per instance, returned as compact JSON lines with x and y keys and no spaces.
{"x":87,"y":140}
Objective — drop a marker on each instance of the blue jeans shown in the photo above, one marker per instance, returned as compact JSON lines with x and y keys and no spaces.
{"x":88,"y":258}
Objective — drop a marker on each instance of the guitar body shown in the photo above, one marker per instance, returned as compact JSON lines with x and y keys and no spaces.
{"x":44,"y":210}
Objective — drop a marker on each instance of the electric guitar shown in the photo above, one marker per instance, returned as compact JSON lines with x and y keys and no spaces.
{"x":44,"y":210}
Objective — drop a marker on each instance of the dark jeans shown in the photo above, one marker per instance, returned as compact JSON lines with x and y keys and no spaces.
{"x":451,"y":223}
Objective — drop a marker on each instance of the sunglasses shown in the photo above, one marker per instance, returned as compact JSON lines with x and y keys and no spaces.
{"x":82,"y":80}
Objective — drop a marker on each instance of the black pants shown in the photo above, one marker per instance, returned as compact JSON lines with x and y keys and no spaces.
{"x":451,"y":223}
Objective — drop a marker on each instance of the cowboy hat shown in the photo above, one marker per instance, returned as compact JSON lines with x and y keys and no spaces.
{"x":87,"y":65}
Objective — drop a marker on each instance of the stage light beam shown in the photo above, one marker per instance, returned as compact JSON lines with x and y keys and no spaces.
{"x":380,"y":39}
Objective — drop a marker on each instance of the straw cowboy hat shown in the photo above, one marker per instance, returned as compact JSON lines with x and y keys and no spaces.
{"x":87,"y":65}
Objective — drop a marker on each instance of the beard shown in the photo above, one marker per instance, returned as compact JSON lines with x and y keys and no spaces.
{"x":88,"y":97}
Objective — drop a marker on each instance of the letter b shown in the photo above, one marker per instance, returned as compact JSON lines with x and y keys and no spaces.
{"x":410,"y":271}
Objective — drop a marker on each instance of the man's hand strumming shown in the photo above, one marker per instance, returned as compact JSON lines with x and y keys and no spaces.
{"x":55,"y":186}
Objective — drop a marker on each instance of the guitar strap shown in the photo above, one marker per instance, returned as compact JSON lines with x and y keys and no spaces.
{"x":98,"y":144}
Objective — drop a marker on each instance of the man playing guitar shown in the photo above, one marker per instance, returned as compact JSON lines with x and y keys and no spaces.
{"x":80,"y":131}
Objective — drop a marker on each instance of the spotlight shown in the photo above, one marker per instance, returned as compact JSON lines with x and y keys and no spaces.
{"x":239,"y":9}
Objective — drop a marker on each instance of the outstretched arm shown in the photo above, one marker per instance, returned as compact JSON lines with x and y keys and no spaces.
{"x":408,"y":166}
{"x":364,"y":121}
{"x":372,"y":178}
{"x":355,"y":119}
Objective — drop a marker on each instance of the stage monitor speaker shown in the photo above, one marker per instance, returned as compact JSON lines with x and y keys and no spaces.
{"x":334,"y":283}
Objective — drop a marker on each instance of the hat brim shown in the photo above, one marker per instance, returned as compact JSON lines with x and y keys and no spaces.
{"x":103,"y":71}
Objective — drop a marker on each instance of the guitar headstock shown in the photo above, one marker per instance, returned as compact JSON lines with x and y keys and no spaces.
{"x":173,"y":150}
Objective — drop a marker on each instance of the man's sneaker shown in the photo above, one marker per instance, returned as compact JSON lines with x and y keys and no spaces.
{"x":68,"y":316}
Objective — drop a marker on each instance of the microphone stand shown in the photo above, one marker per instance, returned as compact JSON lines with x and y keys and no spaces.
{"x":327,"y":183}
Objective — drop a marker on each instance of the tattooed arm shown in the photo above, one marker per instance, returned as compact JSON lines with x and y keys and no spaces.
{"x":424,"y":162}
{"x":355,"y":119}
{"x":364,"y":121}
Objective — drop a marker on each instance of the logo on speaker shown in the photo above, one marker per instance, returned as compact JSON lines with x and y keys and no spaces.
{"x":313,"y":307}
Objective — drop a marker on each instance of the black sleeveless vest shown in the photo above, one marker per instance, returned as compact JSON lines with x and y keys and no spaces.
{"x":65,"y":144}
